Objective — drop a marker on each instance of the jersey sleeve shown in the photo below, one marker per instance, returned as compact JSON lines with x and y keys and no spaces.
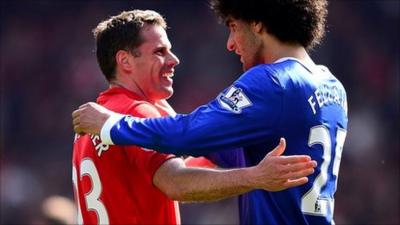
{"x":199,"y":162}
{"x":146,"y":161}
{"x":244,"y":114}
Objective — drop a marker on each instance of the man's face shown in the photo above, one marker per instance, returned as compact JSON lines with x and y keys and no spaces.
{"x":154,"y":64}
{"x":244,"y":42}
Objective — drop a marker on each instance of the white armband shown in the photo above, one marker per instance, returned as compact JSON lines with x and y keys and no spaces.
{"x":105,"y":133}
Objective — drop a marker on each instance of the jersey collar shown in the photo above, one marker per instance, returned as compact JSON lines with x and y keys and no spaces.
{"x":310,"y":66}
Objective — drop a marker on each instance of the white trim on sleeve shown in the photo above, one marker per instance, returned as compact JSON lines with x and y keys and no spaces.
{"x":105,"y":133}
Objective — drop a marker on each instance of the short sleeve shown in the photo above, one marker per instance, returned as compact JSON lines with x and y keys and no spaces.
{"x":146,"y":161}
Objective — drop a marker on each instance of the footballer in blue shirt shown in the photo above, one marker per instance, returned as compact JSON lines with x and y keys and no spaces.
{"x":282,"y":93}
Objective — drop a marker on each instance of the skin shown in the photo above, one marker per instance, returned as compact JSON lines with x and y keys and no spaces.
{"x":145,"y":74}
{"x":243,"y":40}
{"x":273,"y":173}
{"x":149,"y":71}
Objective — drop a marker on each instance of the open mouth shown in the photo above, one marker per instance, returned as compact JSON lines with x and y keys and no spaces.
{"x":168,"y":75}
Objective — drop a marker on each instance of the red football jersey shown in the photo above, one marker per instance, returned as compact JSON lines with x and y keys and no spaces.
{"x":113,"y":184}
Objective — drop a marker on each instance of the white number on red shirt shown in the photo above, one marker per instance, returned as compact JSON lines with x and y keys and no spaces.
{"x":92,"y":198}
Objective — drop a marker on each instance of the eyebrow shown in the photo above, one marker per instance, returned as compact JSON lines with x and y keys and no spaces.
{"x":158,"y":48}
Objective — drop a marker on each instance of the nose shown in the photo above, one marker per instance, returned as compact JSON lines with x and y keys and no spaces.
{"x":173,"y":60}
{"x":230,"y":44}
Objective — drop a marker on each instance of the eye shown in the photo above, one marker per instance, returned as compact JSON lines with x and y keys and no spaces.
{"x":160,"y":51}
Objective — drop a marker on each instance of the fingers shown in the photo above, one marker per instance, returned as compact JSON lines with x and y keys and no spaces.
{"x":293,"y":159}
{"x":298,"y":174}
{"x":298,"y":166}
{"x":76,"y":119}
{"x":88,"y":116}
{"x":282,"y":184}
{"x":86,"y":105}
{"x":278,"y":150}
{"x":76,"y":113}
{"x":77,"y":126}
{"x":295,"y":182}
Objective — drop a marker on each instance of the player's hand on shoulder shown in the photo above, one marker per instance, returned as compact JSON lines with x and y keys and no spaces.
{"x":89,"y":118}
{"x":277,"y":172}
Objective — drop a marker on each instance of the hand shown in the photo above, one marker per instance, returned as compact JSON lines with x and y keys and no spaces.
{"x":276,"y":172}
{"x":90,"y":118}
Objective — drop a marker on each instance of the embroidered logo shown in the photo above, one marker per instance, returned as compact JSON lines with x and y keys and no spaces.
{"x":234,"y":100}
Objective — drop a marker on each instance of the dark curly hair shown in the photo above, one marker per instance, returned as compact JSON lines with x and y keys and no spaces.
{"x":121,"y":32}
{"x":291,"y":21}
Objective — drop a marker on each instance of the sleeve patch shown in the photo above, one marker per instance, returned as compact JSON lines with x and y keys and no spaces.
{"x":234,"y":100}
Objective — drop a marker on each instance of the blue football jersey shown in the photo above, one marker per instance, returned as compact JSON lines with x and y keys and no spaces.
{"x":305,"y":104}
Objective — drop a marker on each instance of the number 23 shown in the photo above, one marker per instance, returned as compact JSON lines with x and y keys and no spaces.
{"x":92,"y":198}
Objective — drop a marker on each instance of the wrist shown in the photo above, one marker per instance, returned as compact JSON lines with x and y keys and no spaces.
{"x":105,"y":132}
{"x":250,"y":177}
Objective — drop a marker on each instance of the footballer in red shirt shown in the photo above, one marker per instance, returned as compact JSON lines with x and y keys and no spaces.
{"x":113,"y":184}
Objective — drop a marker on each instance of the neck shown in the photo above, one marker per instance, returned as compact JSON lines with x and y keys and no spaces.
{"x":275,"y":49}
{"x":297,"y":52}
{"x":116,"y":84}
{"x":130,"y":87}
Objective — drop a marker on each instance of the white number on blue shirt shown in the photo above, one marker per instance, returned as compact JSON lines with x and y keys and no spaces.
{"x":312,"y":203}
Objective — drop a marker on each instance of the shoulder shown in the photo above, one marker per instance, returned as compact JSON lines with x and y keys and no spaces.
{"x":255,"y":87}
{"x":261,"y":78}
{"x":143,"y":109}
{"x":122,"y":103}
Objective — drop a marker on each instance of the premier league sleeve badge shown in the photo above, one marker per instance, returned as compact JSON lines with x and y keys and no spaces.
{"x":234,"y":100}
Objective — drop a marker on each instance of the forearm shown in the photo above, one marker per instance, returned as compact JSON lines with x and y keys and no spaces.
{"x":273,"y":173}
{"x":211,"y":184}
{"x":200,"y":184}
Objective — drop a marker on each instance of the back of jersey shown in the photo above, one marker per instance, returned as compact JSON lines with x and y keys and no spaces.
{"x":313,"y":120}
{"x":114,"y":184}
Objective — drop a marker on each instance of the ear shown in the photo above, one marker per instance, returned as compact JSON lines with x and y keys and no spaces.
{"x":257,"y":27}
{"x":122,"y":59}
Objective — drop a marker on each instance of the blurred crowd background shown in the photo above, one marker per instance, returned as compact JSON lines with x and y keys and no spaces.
{"x":48,"y":68}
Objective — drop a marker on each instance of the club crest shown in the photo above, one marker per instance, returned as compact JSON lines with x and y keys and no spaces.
{"x":234,"y":100}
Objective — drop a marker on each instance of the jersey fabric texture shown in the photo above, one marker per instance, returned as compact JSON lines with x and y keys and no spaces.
{"x":113,"y":184}
{"x":305,"y":104}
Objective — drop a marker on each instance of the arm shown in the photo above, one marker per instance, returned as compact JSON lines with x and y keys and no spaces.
{"x":273,"y":173}
{"x":204,"y":131}
{"x":245,"y":114}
